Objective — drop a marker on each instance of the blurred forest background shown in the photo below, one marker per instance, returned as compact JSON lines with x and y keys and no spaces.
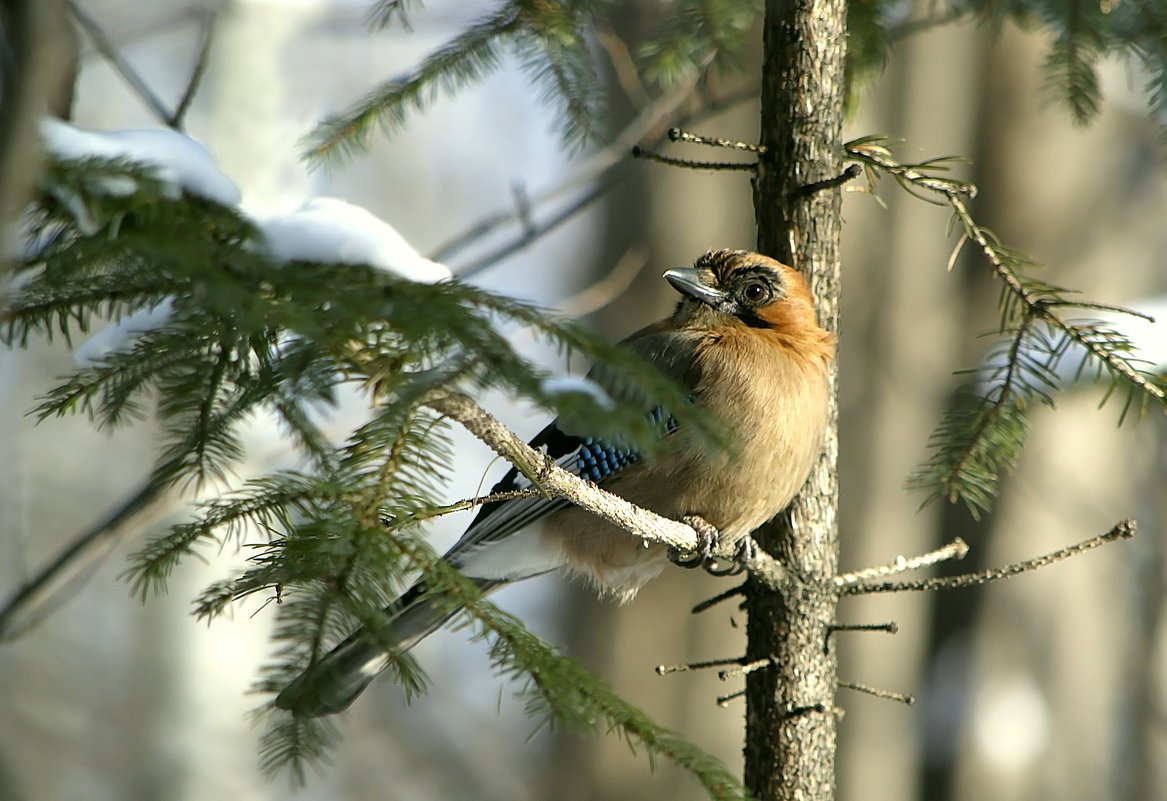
{"x":1053,"y":685}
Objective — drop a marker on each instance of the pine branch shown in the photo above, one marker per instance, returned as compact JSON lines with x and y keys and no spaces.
{"x":467,"y":59}
{"x":555,"y":55}
{"x":981,"y":436}
{"x":957,"y":549}
{"x":385,"y":13}
{"x":694,"y":33}
{"x":1121,"y":531}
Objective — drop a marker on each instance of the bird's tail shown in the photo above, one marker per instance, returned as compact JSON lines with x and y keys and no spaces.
{"x":330,"y":685}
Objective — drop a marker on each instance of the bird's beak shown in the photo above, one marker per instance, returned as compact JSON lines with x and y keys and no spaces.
{"x":688,"y":281}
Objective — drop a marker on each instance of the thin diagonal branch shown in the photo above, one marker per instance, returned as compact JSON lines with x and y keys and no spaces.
{"x":1044,"y":309}
{"x":889,"y":695}
{"x":744,"y":166}
{"x":716,"y":599}
{"x":1042,"y":306}
{"x":177,"y":120}
{"x":611,"y":162}
{"x":678,"y":135}
{"x":664,"y":670}
{"x":43,"y":592}
{"x":1121,"y":531}
{"x":957,"y":549}
{"x":106,"y":47}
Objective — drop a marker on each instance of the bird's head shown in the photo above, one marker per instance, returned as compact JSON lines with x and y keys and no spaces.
{"x":737,"y":288}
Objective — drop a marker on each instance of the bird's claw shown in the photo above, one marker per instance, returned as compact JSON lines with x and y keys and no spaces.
{"x":747,"y":550}
{"x":707,"y":539}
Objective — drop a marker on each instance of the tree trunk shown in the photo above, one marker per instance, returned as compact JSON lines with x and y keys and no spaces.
{"x":38,"y":60}
{"x":790,"y":717}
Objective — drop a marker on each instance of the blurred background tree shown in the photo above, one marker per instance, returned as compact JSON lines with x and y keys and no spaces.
{"x":1051,"y":686}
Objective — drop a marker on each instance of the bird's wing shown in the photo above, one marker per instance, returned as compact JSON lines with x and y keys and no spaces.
{"x":593,"y":459}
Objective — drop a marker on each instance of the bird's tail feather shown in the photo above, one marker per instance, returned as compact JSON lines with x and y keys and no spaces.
{"x":330,"y":685}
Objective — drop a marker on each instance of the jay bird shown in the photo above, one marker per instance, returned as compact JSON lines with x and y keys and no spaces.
{"x":744,"y":340}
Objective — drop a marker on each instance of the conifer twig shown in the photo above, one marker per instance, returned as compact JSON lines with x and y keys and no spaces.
{"x":744,"y":166}
{"x":605,"y":290}
{"x":663,"y":670}
{"x":1121,"y":531}
{"x":1043,"y":308}
{"x":1039,"y":303}
{"x":716,"y":599}
{"x":957,"y":549}
{"x":22,"y":611}
{"x":678,"y":135}
{"x":906,"y":700}
{"x":608,"y":162}
{"x":106,"y":47}
{"x":891,"y":627}
{"x":178,"y":118}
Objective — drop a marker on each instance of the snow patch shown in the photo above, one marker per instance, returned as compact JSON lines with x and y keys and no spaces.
{"x":175,"y":158}
{"x":326,"y":229}
{"x":122,"y":334}
{"x":564,"y":384}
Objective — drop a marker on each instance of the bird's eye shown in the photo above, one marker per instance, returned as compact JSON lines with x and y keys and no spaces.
{"x":756,"y":292}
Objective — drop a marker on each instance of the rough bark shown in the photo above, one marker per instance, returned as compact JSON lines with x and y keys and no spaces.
{"x":790,"y":716}
{"x":38,"y":59}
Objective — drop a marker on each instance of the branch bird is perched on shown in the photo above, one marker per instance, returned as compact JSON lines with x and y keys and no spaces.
{"x":744,"y":339}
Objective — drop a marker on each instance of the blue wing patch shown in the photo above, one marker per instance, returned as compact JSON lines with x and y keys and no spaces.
{"x":597,"y":459}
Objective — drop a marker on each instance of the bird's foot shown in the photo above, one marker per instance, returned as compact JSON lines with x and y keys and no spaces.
{"x":708,"y":538}
{"x":747,"y":550}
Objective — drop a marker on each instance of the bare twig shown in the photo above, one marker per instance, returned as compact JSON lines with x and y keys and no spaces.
{"x":716,"y":599}
{"x":957,"y":549}
{"x":723,"y":700}
{"x":852,"y":172}
{"x":664,"y":670}
{"x":1124,"y":530}
{"x":533,"y":230}
{"x":41,"y":593}
{"x":891,"y":627}
{"x":608,"y":288}
{"x":744,"y":166}
{"x":196,"y":75}
{"x":104,"y":44}
{"x":623,"y":64}
{"x":607,"y":167}
{"x":603,"y":165}
{"x":744,"y":669}
{"x":907,"y":700}
{"x":910,"y":27}
{"x":482,"y":500}
{"x":107,"y":48}
{"x":678,"y":135}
